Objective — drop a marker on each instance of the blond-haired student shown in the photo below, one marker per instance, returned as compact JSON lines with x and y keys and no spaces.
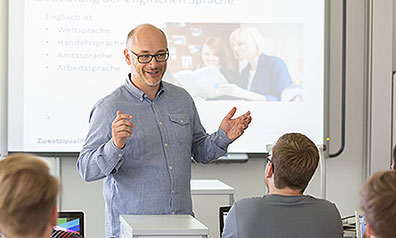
{"x":28,"y":194}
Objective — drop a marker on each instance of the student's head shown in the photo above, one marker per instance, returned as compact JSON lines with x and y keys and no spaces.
{"x":247,"y":43}
{"x":28,"y":195}
{"x":143,"y":41}
{"x":378,"y":197}
{"x":294,"y":161}
{"x":214,"y":52}
{"x":393,"y":158}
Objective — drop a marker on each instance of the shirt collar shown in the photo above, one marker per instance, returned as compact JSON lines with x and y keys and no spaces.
{"x":139,"y":94}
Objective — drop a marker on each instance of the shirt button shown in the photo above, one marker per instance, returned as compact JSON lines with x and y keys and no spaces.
{"x":119,"y":155}
{"x":153,"y":103}
{"x":181,"y":121}
{"x":160,"y":123}
{"x":166,"y":145}
{"x":170,"y":167}
{"x":173,"y":191}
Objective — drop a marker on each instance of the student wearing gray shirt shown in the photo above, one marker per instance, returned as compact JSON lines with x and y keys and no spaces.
{"x":285,"y":211}
{"x":142,"y":136}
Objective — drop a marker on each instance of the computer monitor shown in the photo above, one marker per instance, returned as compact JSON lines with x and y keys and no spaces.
{"x":223,"y":212}
{"x":71,"y":221}
{"x":360,"y":224}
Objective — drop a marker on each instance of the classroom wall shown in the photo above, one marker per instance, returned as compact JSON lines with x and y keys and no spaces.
{"x":3,"y":76}
{"x":394,"y":36}
{"x":380,"y":87}
{"x":345,"y":173}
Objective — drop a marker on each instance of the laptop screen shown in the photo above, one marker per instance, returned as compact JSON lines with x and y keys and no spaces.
{"x":71,"y":222}
{"x":223,"y":212}
{"x":360,"y":224}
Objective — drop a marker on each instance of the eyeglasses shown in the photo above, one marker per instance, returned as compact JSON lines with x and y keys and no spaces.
{"x":147,"y":58}
{"x":270,"y":161}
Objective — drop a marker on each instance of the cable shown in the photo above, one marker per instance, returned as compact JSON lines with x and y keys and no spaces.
{"x":343,"y":82}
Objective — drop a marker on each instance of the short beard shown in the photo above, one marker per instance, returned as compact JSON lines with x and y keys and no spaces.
{"x":143,"y":80}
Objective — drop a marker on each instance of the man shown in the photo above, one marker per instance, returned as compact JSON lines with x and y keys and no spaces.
{"x":285,"y":211}
{"x":28,"y":196}
{"x":379,"y":204}
{"x":142,"y":137}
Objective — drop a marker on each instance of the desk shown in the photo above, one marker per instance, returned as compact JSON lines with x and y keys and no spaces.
{"x":163,"y":226}
{"x":212,"y":187}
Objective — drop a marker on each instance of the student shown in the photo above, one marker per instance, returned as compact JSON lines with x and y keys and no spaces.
{"x":143,"y":135}
{"x":28,"y":195}
{"x":285,"y":211}
{"x":379,"y":204}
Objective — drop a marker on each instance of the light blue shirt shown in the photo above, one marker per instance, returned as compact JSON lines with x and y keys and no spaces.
{"x":151,"y":174}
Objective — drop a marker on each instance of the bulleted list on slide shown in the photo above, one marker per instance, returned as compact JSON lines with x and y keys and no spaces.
{"x":73,"y":55}
{"x":75,"y":43}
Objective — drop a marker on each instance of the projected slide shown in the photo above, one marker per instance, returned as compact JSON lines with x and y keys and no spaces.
{"x":68,"y":224}
{"x":266,"y":56}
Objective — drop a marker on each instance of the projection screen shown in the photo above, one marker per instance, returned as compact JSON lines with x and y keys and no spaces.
{"x":266,"y":56}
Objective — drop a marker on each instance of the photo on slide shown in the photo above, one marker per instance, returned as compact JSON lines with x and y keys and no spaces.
{"x":234,"y":61}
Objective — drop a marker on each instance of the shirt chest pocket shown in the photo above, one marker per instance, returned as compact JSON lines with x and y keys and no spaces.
{"x":181,"y":124}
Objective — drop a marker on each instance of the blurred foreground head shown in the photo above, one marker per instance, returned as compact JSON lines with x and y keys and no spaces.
{"x":379,"y":204}
{"x":28,"y":194}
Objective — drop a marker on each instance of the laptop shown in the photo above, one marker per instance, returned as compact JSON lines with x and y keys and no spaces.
{"x":223,"y":212}
{"x":71,"y":221}
{"x":360,"y":224}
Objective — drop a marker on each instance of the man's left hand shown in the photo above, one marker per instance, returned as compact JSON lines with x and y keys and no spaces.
{"x":234,"y":128}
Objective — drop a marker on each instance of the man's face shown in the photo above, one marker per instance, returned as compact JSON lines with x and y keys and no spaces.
{"x":147,"y":42}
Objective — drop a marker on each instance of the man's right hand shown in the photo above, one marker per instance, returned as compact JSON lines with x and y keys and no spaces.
{"x":121,"y":129}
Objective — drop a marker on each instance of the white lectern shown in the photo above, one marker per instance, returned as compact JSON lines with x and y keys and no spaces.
{"x":161,"y":226}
